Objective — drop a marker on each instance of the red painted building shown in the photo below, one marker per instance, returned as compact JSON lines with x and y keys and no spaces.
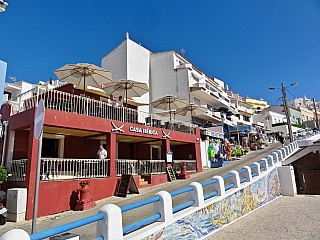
{"x":74,"y":127}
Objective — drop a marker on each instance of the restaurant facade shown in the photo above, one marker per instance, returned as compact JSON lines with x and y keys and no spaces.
{"x":74,"y":127}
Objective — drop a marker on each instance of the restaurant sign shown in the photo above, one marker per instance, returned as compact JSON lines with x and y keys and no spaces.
{"x":143,"y":130}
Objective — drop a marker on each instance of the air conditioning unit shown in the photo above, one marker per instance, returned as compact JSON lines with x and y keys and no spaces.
{"x":16,"y":204}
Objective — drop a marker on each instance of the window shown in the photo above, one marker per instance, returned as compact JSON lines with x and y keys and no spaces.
{"x":246,"y":118}
{"x":197,"y":101}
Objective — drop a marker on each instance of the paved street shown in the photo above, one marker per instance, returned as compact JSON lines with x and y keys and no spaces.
{"x":285,"y":218}
{"x":88,"y":232}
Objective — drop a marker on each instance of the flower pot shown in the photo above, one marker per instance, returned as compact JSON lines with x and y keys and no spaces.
{"x":183,"y":169}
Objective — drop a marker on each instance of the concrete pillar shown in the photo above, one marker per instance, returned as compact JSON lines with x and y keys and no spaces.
{"x":164,"y":207}
{"x":112,"y":148}
{"x":218,"y":186}
{"x":256,"y":170}
{"x":196,"y":194}
{"x":165,"y":148}
{"x":198,"y":150}
{"x":264,"y":164}
{"x":270,"y":161}
{"x":30,"y":179}
{"x":110,"y":227}
{"x":246,"y":174}
{"x":15,"y":234}
{"x":276,"y":156}
{"x":234,"y":179}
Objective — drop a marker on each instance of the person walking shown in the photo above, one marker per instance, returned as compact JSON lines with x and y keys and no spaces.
{"x":281,"y":139}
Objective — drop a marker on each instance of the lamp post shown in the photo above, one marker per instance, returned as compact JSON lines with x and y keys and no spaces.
{"x":284,"y":99}
{"x":315,"y":112}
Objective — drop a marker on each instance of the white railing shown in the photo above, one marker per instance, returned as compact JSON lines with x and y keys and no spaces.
{"x":127,"y":166}
{"x":67,"y":102}
{"x":150,"y":167}
{"x":191,"y":165}
{"x":59,"y":168}
{"x":17,"y":170}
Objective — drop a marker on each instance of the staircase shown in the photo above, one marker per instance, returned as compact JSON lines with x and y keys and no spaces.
{"x":142,"y":182}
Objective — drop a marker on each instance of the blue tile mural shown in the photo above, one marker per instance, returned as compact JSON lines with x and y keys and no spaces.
{"x":214,"y":216}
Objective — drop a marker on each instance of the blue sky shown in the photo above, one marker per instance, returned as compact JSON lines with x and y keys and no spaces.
{"x":251,"y":45}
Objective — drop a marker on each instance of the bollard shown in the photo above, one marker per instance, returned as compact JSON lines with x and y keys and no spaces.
{"x":218,"y":186}
{"x":164,"y":207}
{"x":246,"y":174}
{"x":15,"y":234}
{"x":110,"y":227}
{"x":196,"y":194}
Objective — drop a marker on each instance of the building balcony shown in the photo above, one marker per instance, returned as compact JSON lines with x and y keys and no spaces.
{"x":66,"y":102}
{"x":53,"y":169}
{"x":215,"y":99}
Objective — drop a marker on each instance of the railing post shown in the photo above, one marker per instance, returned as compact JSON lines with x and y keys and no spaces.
{"x":196,"y":194}
{"x":281,"y":155}
{"x":15,"y":234}
{"x":256,"y":170}
{"x":264,"y":164}
{"x":164,"y":207}
{"x":110,"y":227}
{"x":276,"y":155}
{"x":218,"y":186}
{"x":271,"y":160}
{"x":246,"y":174}
{"x":234,"y":179}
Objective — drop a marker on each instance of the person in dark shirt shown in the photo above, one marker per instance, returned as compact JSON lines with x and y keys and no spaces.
{"x":281,"y":139}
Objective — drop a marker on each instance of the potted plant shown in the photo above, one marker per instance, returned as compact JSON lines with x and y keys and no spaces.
{"x":3,"y":175}
{"x":183,"y":167}
{"x":84,"y":183}
{"x":85,"y":200}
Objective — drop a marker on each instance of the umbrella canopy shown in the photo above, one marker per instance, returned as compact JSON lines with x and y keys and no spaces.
{"x":83,"y":74}
{"x":169,"y":103}
{"x":129,"y":88}
{"x":191,"y":110}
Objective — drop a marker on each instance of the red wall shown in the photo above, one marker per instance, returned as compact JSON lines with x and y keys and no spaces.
{"x":59,"y":196}
{"x":79,"y":147}
{"x":181,"y":152}
{"x":125,"y":150}
{"x":20,"y":149}
{"x":143,"y":151}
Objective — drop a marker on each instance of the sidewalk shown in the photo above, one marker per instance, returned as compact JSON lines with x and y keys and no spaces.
{"x":285,"y":218}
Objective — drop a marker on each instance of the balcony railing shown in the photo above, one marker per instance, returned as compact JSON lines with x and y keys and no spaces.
{"x":62,"y":169}
{"x":59,"y":168}
{"x":17,"y":170}
{"x":66,"y":102}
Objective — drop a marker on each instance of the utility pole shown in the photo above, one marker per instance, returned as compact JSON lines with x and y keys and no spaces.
{"x":315,"y":112}
{"x":284,"y":98}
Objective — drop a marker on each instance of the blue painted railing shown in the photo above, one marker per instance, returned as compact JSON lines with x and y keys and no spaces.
{"x":204,"y":184}
{"x":140,"y":204}
{"x":155,"y":217}
{"x":141,"y":223}
{"x":66,"y":227}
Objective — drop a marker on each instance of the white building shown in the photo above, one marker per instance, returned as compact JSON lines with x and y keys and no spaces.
{"x":170,"y":73}
{"x":303,"y":102}
{"x":15,"y":92}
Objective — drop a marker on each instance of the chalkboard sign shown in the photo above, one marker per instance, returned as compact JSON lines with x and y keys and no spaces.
{"x":171,"y":174}
{"x":126,"y":184}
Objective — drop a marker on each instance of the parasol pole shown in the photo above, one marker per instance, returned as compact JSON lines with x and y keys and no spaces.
{"x":84,"y":84}
{"x":126,"y":94}
{"x":170,"y":108}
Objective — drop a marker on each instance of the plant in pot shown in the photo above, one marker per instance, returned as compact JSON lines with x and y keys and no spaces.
{"x":3,"y":175}
{"x":84,"y":183}
{"x":183,"y":167}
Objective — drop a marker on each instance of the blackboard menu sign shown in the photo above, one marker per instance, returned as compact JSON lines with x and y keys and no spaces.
{"x":126,"y":184}
{"x":171,"y":174}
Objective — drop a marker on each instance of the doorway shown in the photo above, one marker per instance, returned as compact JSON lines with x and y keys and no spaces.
{"x":155,"y":152}
{"x":50,"y":148}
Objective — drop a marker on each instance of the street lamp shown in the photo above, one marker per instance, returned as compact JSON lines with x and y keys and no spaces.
{"x":284,"y":98}
{"x":315,"y":112}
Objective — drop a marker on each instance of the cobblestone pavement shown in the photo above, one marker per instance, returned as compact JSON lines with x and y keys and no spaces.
{"x":285,"y":218}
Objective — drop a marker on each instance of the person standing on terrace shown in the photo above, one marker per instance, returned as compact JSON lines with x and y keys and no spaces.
{"x":119,"y":102}
{"x":102,"y":153}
